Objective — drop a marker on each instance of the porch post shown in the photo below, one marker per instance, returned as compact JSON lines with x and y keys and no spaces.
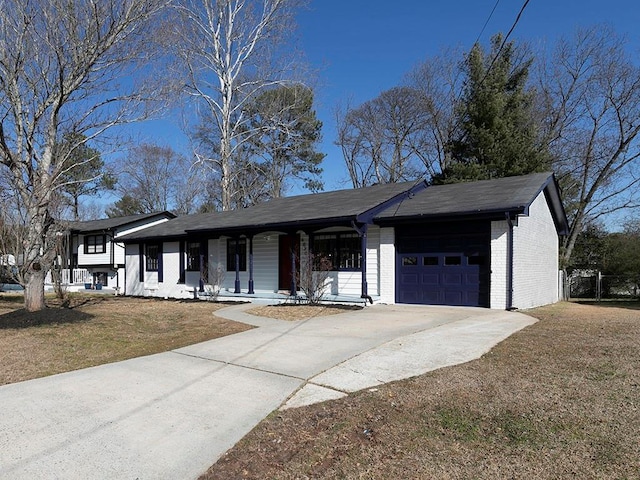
{"x":203,"y":258}
{"x":294,"y":286}
{"x":251,"y":291}
{"x":363,"y":260}
{"x":237,"y":259}
{"x":70,"y":264}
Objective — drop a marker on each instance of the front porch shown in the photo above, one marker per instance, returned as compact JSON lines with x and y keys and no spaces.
{"x":79,"y":280}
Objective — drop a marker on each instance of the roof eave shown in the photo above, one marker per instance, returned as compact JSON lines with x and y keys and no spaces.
{"x":492,"y":214}
{"x":275,"y":226}
{"x":552,"y":194}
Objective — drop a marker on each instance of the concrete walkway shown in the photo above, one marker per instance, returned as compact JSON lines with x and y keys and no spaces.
{"x":172,"y":415}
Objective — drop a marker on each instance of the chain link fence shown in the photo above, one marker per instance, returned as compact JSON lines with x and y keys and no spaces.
{"x":599,"y":286}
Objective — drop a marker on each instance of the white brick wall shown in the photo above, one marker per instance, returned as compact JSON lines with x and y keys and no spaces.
{"x":387,"y":267}
{"x":535,"y":269}
{"x":499,"y":265}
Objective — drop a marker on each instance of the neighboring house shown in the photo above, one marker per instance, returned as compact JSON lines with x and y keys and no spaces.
{"x":490,"y":243}
{"x":96,"y":255}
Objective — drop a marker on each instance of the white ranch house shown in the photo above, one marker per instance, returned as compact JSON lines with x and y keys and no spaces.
{"x":490,"y":243}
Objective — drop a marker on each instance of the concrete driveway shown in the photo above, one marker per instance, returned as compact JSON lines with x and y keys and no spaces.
{"x":172,"y":415}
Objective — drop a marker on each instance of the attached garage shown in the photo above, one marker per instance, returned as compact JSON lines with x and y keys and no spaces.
{"x":443,"y":264}
{"x":492,"y":243}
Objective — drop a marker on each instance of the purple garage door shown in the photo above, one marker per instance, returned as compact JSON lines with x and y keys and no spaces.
{"x":443,"y":269}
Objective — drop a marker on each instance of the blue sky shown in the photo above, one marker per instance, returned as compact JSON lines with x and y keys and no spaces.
{"x":363,"y":47}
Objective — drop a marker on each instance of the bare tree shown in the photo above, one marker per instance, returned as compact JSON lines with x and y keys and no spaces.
{"x":440,"y":80}
{"x":380,"y":139}
{"x":591,"y":93}
{"x":313,"y":276}
{"x":157,"y":178}
{"x":59,"y":66}
{"x":229,"y":48}
{"x":406,"y":131}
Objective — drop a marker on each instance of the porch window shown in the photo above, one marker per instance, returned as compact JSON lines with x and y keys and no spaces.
{"x":193,"y":256}
{"x":241,"y":244}
{"x":152,"y":258}
{"x":341,"y":249}
{"x":95,"y":244}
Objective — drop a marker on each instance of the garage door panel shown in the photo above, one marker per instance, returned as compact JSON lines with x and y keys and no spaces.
{"x":431,"y":297}
{"x":409,"y":296}
{"x":452,"y":279}
{"x":472,"y":278}
{"x":443,"y":270}
{"x":452,"y":297}
{"x":430,"y":279}
{"x":410,"y":279}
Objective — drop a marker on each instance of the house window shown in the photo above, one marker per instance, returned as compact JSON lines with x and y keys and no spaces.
{"x":95,"y":244}
{"x":341,"y":249}
{"x":152,"y":258}
{"x":241,"y":244}
{"x":193,"y":256}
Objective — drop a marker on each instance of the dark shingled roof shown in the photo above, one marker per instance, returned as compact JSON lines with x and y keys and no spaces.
{"x":285,"y":212}
{"x":110,"y":223}
{"x":512,"y":194}
{"x":490,"y":197}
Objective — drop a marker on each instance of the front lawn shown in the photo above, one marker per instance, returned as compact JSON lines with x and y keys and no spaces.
{"x":91,"y":330}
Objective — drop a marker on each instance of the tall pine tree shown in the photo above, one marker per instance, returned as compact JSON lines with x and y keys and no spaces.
{"x":496,"y":112}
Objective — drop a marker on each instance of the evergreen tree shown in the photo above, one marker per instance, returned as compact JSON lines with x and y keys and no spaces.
{"x":284,"y":132}
{"x":127,"y":205}
{"x":82,"y":170}
{"x":498,"y":135}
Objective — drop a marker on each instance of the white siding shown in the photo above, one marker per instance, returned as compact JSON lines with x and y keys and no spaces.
{"x":170,"y":286}
{"x":152,"y":287}
{"x":133,"y":287}
{"x":86,"y":259}
{"x":118,"y":253}
{"x":535,"y":263}
{"x":499,"y":265}
{"x":387,"y":268}
{"x":265,"y":263}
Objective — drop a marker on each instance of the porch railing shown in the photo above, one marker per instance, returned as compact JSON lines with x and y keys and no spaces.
{"x":70,"y":277}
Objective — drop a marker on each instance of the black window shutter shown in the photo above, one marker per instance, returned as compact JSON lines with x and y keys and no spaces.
{"x":141,"y":258}
{"x":182,"y":248}
{"x":160,"y":274}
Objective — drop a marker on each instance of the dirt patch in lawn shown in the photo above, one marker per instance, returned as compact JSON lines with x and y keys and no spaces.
{"x":88,"y":330}
{"x":559,"y":399}
{"x":300,"y":312}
